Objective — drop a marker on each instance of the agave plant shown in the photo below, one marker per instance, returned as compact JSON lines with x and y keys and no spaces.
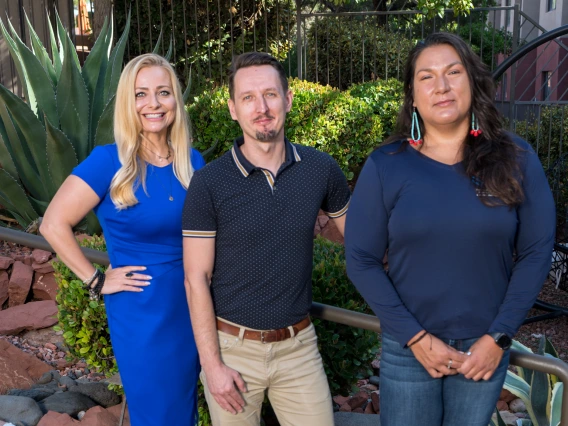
{"x":68,"y":110}
{"x":541,"y":392}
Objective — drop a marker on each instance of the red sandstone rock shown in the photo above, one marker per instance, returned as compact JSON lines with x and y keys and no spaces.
{"x":43,"y":268}
{"x":20,"y":283}
{"x":57,"y":419}
{"x":17,"y":368}
{"x":340,"y":400}
{"x":358,"y":410}
{"x":357,"y":400}
{"x":375,"y":399}
{"x":345,"y":407}
{"x":31,"y":316}
{"x":506,"y":396}
{"x":4,"y":286}
{"x":27,"y":260}
{"x":502,"y":406}
{"x":5,"y":262}
{"x":369,"y":409}
{"x":45,"y":287}
{"x":116,"y":410}
{"x":41,"y":256}
{"x":98,"y":416}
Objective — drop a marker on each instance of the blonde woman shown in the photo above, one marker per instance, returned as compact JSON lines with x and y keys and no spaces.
{"x":137,"y":187}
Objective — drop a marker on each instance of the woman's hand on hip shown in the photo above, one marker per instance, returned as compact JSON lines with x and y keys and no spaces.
{"x":438,"y":358}
{"x":126,"y":278}
{"x":484,"y":359}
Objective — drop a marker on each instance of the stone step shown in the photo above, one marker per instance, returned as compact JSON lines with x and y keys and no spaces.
{"x":356,"y":419}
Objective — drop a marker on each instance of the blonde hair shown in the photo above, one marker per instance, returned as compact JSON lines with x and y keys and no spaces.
{"x":128,"y":128}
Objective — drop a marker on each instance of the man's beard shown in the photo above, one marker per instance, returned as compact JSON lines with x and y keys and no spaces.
{"x":266,"y":136}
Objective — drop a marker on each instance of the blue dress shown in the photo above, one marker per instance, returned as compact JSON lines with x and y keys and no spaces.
{"x":151,"y":330}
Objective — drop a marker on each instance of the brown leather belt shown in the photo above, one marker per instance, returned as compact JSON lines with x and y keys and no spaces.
{"x":268,"y":336}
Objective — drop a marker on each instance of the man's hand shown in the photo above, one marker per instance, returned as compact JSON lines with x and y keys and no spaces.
{"x":484,"y":359}
{"x":435,"y":356}
{"x":224,"y":383}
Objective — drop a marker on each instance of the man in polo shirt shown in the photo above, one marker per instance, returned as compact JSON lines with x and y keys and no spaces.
{"x":248,"y":224}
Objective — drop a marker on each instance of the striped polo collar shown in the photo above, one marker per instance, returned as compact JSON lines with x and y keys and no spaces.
{"x":245,"y":166}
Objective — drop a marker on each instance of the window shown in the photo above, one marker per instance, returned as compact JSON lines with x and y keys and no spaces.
{"x":546,"y":85}
{"x":550,"y":5}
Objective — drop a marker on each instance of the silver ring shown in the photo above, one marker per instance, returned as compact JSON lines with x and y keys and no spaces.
{"x":450,"y":364}
{"x":468,"y":353}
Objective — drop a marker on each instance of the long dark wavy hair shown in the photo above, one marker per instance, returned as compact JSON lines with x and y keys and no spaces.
{"x":492,"y":158}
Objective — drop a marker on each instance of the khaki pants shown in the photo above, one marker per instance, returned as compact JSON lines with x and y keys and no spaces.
{"x":291,"y":372}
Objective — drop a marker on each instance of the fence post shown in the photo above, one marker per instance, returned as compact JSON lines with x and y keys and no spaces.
{"x":515,"y":45}
{"x":299,"y":37}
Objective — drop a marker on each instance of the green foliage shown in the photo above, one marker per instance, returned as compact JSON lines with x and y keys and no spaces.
{"x":68,"y":112}
{"x":354,"y":50}
{"x":541,"y":392}
{"x":547,"y":131}
{"x":348,"y":125}
{"x":212,"y":34}
{"x":347,"y":352}
{"x":432,"y":8}
{"x":84,"y":321}
{"x":485,"y":40}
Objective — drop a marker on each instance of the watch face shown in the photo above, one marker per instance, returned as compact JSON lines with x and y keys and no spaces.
{"x":504,"y":341}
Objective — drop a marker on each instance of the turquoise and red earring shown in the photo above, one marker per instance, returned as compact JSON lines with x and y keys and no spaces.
{"x":416,"y":139}
{"x":475,"y":130}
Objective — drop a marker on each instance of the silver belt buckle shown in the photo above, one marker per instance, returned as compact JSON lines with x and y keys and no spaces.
{"x":262,"y":337}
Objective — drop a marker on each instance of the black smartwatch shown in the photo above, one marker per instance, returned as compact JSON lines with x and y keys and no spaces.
{"x":502,"y":340}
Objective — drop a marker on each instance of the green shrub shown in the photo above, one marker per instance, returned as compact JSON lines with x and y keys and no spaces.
{"x":347,"y":352}
{"x":347,"y":125}
{"x":547,"y":131}
{"x":84,"y":321}
{"x":354,"y":50}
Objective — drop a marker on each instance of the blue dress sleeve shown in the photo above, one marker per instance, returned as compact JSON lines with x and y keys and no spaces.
{"x":197,"y":160}
{"x":98,"y":169}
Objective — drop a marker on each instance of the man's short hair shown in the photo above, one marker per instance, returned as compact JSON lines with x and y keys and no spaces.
{"x":252,"y":59}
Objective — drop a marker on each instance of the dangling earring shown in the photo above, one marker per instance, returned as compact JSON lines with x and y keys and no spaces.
{"x":475,"y":130}
{"x":415,"y":140}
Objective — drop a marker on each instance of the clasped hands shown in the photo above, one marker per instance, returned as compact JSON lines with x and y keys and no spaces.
{"x":440,"y":359}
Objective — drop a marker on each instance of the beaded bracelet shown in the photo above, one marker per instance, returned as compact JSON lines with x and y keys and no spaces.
{"x":95,"y":292}
{"x":89,"y":281}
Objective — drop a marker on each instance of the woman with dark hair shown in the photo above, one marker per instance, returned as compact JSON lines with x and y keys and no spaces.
{"x":467,"y":217}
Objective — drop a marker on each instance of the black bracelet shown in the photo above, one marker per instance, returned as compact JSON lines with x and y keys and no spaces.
{"x":95,"y":292}
{"x":89,"y":283}
{"x":417,"y":340}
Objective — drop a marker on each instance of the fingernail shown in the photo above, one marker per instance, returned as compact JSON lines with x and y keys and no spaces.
{"x":148,"y":277}
{"x":141,"y":289}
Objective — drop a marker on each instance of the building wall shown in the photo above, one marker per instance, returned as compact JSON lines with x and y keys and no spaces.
{"x":555,"y":18}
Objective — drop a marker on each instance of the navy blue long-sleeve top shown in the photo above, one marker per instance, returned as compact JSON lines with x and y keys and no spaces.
{"x":451,"y":268}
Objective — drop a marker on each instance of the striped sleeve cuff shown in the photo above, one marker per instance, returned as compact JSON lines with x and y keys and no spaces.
{"x":338,"y":213}
{"x":199,"y":234}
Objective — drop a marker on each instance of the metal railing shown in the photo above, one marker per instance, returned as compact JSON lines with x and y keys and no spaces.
{"x":333,"y":313}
